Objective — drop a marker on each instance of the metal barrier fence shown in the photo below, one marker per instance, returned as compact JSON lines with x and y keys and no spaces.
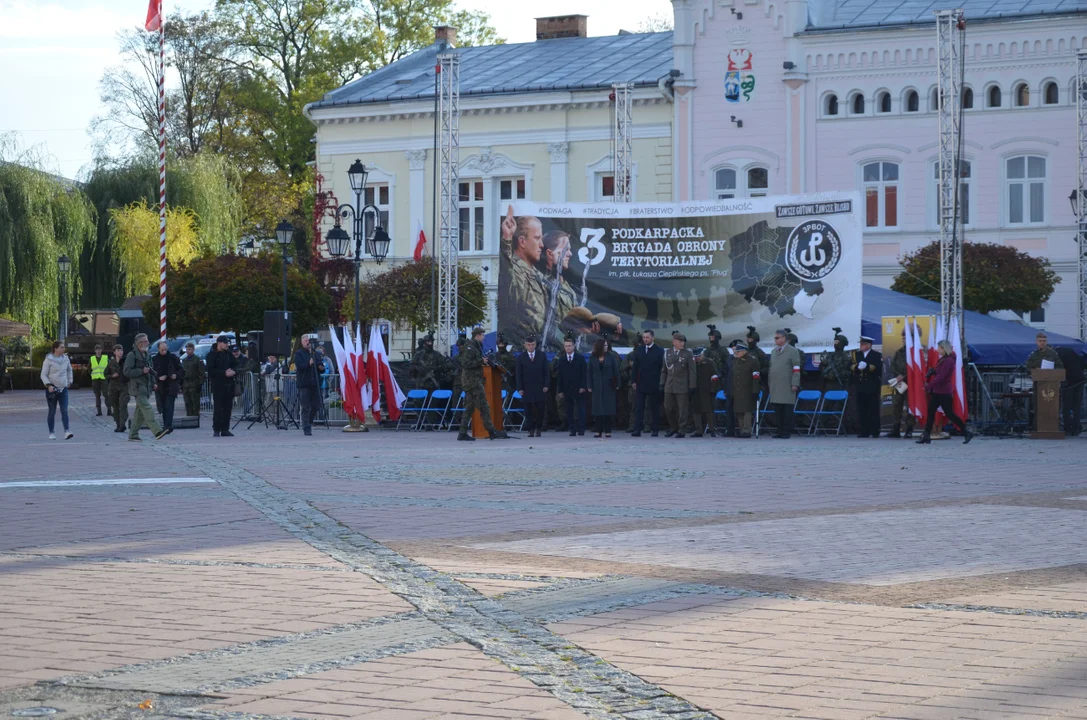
{"x":258,"y":393}
{"x":1000,"y":401}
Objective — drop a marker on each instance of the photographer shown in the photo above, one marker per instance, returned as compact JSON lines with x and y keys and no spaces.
{"x":309,"y":369}
{"x":222,"y":368}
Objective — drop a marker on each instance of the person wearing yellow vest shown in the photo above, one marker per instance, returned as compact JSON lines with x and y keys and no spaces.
{"x":98,"y":378}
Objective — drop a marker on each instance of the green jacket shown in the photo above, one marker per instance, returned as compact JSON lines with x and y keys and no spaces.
{"x":471,"y":365}
{"x":837,"y":369}
{"x":193,"y":367}
{"x":1034,"y":362}
{"x":898,"y":363}
{"x":139,"y":383}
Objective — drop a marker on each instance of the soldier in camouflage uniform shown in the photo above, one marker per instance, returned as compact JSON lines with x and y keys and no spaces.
{"x":1034,"y":362}
{"x":899,"y":370}
{"x":117,"y":388}
{"x":475,"y":398}
{"x":836,"y":368}
{"x":719,"y":360}
{"x":192,"y":382}
{"x":508,"y":362}
{"x":522,"y":294}
{"x":764,"y":360}
{"x":426,"y":365}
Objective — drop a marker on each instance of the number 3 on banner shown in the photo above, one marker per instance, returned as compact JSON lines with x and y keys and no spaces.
{"x":591,"y":238}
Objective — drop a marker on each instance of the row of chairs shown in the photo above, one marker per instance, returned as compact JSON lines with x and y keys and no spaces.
{"x":823,"y":412}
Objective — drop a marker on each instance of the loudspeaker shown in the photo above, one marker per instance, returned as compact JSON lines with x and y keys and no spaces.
{"x":277,"y":333}
{"x":256,"y":337}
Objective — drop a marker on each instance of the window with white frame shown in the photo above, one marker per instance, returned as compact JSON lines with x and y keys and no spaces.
{"x":604,"y":186}
{"x":378,"y":196}
{"x":1025,"y":178}
{"x":880,"y":187}
{"x":511,"y":189}
{"x":472,"y":205}
{"x":883,"y":102}
{"x":1022,"y":95}
{"x":732,"y":183}
{"x":1035,"y":318}
{"x":964,"y":193}
{"x":967,"y":98}
{"x":1050,"y":94}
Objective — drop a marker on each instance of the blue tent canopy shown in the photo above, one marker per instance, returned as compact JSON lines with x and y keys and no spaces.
{"x":991,"y":341}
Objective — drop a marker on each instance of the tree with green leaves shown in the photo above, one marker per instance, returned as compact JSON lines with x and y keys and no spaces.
{"x":995,"y":277}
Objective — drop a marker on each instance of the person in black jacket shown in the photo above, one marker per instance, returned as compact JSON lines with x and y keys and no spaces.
{"x":573,"y":383}
{"x":1072,"y":406}
{"x":867,"y":383}
{"x":533,"y":375}
{"x":645,"y":378}
{"x":168,"y":375}
{"x":308,"y":368}
{"x":222,"y":367}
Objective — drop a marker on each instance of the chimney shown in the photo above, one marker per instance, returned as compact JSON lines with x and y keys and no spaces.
{"x":562,"y":26}
{"x":445,"y":34}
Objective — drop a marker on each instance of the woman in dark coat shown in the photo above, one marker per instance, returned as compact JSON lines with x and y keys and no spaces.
{"x":168,"y":375}
{"x":603,"y":386}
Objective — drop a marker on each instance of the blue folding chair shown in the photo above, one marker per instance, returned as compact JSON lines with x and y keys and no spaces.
{"x":807,"y":396}
{"x":761,"y":410}
{"x":840,"y":398}
{"x":453,"y":412}
{"x":514,"y":408}
{"x":436,"y":404}
{"x":413,"y":406}
{"x":719,"y":413}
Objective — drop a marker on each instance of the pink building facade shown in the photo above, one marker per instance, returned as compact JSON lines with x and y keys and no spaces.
{"x":789,"y":96}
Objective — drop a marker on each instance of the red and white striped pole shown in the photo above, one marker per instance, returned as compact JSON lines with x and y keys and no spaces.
{"x":162,"y":172}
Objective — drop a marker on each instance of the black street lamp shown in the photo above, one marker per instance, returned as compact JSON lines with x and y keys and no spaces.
{"x":63,"y":266}
{"x":284,"y":235}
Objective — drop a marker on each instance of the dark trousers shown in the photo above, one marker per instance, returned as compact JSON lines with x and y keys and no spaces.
{"x":575,"y":411}
{"x":946,"y":403}
{"x":309,"y":404}
{"x":166,"y":403}
{"x":535,"y":417}
{"x":1073,"y":408}
{"x":118,"y":403}
{"x":223,"y":399}
{"x":784,"y":414}
{"x":730,"y":417}
{"x":99,"y":389}
{"x":868,"y":414}
{"x":603,"y":424}
{"x":654,"y":400}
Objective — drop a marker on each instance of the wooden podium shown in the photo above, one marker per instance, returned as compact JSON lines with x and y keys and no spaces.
{"x":1047,"y":404}
{"x":492,"y":388}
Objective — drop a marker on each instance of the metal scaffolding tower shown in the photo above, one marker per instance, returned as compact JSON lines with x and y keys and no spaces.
{"x":949,"y":65}
{"x":448,"y":211}
{"x":622,"y":146}
{"x":1081,"y":189}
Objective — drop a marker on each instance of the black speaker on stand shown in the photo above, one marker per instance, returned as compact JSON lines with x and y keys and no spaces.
{"x":276,"y":337}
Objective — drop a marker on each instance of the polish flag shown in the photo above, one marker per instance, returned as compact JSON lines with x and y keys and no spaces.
{"x":154,"y":16}
{"x":345,"y":356}
{"x":381,"y":374}
{"x":420,"y":244}
{"x":919,"y":404}
{"x":341,"y":363}
{"x":362,"y":378}
{"x":959,"y":386}
{"x":935,"y":335}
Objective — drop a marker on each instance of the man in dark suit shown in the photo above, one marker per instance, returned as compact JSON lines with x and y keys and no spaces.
{"x":645,"y":378}
{"x":572,"y":383}
{"x":867,"y":383}
{"x":533,"y":374}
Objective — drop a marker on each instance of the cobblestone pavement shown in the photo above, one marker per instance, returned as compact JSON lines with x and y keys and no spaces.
{"x":402,"y":575}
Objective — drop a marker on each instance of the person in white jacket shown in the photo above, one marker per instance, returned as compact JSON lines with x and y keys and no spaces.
{"x":57,"y":378}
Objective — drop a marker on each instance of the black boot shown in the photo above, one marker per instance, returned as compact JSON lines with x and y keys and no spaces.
{"x":967,"y":436}
{"x":924,"y":439}
{"x":909,"y":433}
{"x":465,"y":437}
{"x":499,"y":435}
{"x":894,"y":434}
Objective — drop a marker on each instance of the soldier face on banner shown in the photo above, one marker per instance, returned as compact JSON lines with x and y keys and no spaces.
{"x":528,"y":240}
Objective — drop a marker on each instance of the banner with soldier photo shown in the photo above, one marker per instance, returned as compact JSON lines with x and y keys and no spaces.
{"x":614,"y":270}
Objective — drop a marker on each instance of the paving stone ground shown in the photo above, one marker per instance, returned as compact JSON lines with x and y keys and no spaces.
{"x":403,"y":575}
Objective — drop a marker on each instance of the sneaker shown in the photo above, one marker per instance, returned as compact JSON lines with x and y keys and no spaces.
{"x":68,"y":435}
{"x":134,"y":439}
{"x":52,"y":436}
{"x":161,"y":434}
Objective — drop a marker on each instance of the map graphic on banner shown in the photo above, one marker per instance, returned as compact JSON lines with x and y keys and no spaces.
{"x":617,"y":269}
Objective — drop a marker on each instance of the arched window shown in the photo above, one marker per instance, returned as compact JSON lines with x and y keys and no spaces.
{"x":994,"y":97}
{"x":964,"y":192}
{"x":831,"y":105}
{"x":1051,"y":94}
{"x":1025,"y":178}
{"x":880,"y":185}
{"x":1022,"y":95}
{"x":858,"y":104}
{"x":934,"y":100}
{"x":967,"y":98}
{"x":883,"y":101}
{"x":913,"y":101}
{"x":730,"y":183}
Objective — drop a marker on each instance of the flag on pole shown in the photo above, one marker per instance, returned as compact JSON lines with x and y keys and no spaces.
{"x":381,"y":374}
{"x":362,"y":379}
{"x":959,"y":387}
{"x":346,"y":377}
{"x":935,"y":335}
{"x":420,"y":244}
{"x":154,"y":16}
{"x":920,"y":406}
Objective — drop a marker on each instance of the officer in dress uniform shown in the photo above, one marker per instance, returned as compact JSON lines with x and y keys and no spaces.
{"x":867,"y":383}
{"x":678,"y":383}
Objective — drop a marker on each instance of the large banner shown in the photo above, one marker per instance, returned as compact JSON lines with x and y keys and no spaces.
{"x":620,"y":269}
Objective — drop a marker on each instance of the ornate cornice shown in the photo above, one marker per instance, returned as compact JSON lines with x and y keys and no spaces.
{"x":416,"y":159}
{"x":393,"y":116}
{"x":559,"y":151}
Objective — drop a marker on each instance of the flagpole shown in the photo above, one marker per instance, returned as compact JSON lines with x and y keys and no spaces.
{"x":162,"y":172}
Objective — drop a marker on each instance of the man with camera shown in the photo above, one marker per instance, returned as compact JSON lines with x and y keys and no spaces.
{"x":308,"y":369}
{"x":222,"y":367}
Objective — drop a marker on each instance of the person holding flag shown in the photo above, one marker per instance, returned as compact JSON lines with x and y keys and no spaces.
{"x":939,"y":388}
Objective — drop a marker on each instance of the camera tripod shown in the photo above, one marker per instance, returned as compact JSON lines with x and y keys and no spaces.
{"x":282,"y":419}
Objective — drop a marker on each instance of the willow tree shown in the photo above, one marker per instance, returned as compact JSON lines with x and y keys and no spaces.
{"x":210,"y":186}
{"x":134,"y":234}
{"x":41,"y":218}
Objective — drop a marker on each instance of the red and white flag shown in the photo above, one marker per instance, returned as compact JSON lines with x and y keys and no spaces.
{"x":154,"y":16}
{"x":345,"y":357}
{"x":917,"y":380}
{"x":381,"y":374}
{"x":935,"y":335}
{"x":420,"y":243}
{"x":959,"y":386}
{"x":362,"y":379}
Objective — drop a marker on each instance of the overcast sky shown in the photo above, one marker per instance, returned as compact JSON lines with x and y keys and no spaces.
{"x":53,"y":52}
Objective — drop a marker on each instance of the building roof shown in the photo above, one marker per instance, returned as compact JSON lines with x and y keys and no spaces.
{"x":857,"y":14}
{"x":541,"y":66}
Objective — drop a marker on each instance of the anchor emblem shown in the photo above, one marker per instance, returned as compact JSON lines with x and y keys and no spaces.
{"x":813,"y":255}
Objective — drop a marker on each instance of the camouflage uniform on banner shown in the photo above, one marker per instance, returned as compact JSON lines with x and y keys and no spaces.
{"x":899,"y":369}
{"x":427,"y":365}
{"x":192,"y":384}
{"x":475,"y":397}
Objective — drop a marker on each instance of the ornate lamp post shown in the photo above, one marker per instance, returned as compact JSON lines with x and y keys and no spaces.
{"x":284,"y":235}
{"x":63,"y":266}
{"x":377,"y":243}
